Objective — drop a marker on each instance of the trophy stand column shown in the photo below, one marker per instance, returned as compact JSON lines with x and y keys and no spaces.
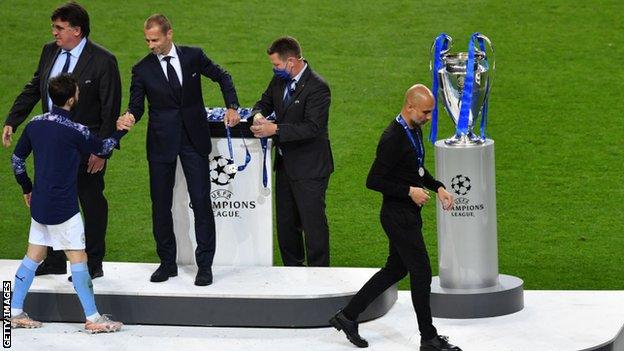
{"x":469,"y":285}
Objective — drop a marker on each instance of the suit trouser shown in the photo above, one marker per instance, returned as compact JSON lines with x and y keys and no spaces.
{"x":95,"y":212}
{"x":300,"y":206}
{"x":407,"y":253}
{"x":162,"y":178}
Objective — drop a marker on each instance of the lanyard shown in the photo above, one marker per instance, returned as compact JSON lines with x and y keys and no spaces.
{"x":418,"y":147}
{"x":264,"y":142}
{"x":247,"y":154}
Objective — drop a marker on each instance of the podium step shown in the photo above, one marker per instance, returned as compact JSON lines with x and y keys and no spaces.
{"x":239,"y":296}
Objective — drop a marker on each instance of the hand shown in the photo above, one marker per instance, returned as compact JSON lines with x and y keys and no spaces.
{"x":419,"y":195}
{"x":231,"y":118}
{"x":7,"y":136}
{"x":258,"y":118}
{"x":446,"y":198}
{"x":96,"y":164}
{"x":27,"y":198}
{"x":125,"y":121}
{"x":264,"y":130}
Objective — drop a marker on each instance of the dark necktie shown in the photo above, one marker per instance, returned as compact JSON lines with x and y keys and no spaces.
{"x":174,"y":82}
{"x":67,"y":61}
{"x":289,"y":92}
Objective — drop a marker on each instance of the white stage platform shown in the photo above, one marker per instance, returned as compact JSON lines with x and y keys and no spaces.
{"x":239,"y":297}
{"x":551,"y":320}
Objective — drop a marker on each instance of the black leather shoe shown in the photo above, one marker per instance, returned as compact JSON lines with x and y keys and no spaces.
{"x":204,"y":277}
{"x":93,"y":274}
{"x":163,"y":273}
{"x":44,"y":268}
{"x":350,"y":328}
{"x":439,"y":343}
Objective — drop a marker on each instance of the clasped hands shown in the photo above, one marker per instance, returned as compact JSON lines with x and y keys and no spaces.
{"x":420,"y":196}
{"x":262,"y":127}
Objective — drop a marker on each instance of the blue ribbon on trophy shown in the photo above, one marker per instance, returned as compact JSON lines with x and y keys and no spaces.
{"x":441,"y":45}
{"x":464,"y":79}
{"x":468,"y":93}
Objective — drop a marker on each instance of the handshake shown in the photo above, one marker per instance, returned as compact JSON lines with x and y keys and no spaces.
{"x":126,"y":121}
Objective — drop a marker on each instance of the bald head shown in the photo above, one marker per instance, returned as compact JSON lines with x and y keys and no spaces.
{"x":417,"y":105}
{"x":419,"y":95}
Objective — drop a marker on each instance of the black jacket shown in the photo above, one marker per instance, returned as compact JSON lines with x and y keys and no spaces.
{"x":303,"y":137}
{"x":167,"y":113}
{"x":99,"y":83}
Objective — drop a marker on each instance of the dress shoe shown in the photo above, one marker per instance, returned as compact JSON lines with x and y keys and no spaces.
{"x":350,"y":328}
{"x":204,"y":277}
{"x":163,"y":273}
{"x":93,"y":274}
{"x":439,"y":343}
{"x":45,"y":268}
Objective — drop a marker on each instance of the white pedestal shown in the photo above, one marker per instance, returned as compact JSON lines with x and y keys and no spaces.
{"x":243,"y":211}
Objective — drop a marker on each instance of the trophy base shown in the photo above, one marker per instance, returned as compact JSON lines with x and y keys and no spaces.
{"x":504,"y":298}
{"x":464,"y":140}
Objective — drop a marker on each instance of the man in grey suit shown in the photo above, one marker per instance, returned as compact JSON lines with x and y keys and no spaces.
{"x":300,"y":99}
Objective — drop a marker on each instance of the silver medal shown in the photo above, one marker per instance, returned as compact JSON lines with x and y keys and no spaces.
{"x":265,"y":191}
{"x":421,"y":171}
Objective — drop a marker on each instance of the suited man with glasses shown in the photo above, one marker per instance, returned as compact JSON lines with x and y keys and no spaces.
{"x":97,"y":74}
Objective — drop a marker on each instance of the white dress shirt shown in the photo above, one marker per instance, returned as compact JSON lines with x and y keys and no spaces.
{"x":57,"y":68}
{"x":175,"y":62}
{"x":293,"y":84}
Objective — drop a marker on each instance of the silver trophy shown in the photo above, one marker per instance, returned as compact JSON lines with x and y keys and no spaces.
{"x":469,"y":284}
{"x":451,"y":76}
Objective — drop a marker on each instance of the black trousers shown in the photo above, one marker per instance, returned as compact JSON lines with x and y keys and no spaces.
{"x":162,"y":178}
{"x":95,"y":214}
{"x":300,"y":212}
{"x":407,"y":253}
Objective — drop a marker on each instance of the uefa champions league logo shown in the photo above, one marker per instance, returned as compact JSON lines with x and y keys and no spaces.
{"x":464,"y":206}
{"x":460,"y":185}
{"x":222,"y":170}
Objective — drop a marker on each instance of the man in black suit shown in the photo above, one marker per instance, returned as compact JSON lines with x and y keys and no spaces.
{"x":300,"y":99}
{"x":170,"y":78}
{"x":97,"y":74}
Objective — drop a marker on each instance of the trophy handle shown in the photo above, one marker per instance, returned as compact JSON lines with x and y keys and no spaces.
{"x":493,"y":60}
{"x":431,"y":50}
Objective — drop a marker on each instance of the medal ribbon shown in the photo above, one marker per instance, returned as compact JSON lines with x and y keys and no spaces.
{"x":418,"y":147}
{"x":247,"y":154}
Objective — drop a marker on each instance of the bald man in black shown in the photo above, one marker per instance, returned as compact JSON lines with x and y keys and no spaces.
{"x":398,"y":173}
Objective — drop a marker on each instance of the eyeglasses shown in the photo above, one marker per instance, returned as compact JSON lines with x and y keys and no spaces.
{"x":58,"y":28}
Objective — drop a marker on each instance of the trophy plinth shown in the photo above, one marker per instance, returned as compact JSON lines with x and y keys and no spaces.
{"x":469,"y":284}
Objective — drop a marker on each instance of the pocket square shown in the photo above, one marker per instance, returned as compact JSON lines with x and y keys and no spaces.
{"x":296,"y":101}
{"x":194,"y":74}
{"x":88,"y":81}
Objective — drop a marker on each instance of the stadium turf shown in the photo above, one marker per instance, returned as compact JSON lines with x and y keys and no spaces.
{"x":555,"y":114}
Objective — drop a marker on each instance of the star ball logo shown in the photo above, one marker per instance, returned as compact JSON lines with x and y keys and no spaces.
{"x":461,"y":185}
{"x":219,"y":173}
{"x":463,"y":206}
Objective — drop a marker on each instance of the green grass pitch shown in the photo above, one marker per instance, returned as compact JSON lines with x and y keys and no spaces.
{"x":555,"y":114}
